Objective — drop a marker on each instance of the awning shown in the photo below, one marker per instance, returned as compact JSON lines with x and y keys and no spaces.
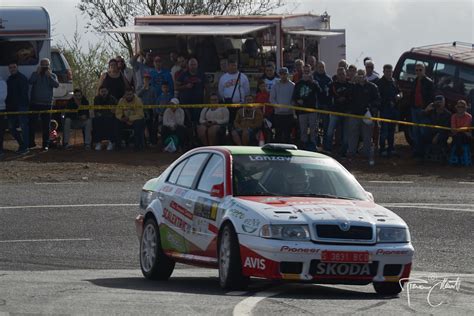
{"x":194,"y":29}
{"x":314,"y":33}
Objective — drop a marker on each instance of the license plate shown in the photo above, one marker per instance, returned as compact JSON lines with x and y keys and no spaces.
{"x":345,"y":256}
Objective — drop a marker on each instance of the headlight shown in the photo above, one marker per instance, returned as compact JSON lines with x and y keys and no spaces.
{"x":145,"y":198}
{"x":392,"y":234}
{"x":285,"y":232}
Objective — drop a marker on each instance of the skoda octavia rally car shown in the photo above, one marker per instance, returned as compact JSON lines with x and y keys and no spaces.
{"x":273,"y":212}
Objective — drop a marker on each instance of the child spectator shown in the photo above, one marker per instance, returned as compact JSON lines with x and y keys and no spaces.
{"x":460,"y":150}
{"x":54,"y":138}
{"x":247,"y":123}
{"x":173,"y":124}
{"x":263,"y":96}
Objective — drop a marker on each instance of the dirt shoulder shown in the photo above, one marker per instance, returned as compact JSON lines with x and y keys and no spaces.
{"x":78,"y":164}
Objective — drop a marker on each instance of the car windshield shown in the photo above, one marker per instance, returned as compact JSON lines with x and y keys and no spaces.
{"x":272,"y":175}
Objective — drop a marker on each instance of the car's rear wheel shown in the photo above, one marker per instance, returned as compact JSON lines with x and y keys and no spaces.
{"x":387,"y":288}
{"x":155,"y":264}
{"x":230,"y":266}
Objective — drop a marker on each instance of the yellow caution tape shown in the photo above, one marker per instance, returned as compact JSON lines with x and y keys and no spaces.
{"x":235,"y":105}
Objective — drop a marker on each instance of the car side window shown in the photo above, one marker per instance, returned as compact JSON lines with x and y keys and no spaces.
{"x":190,"y":170}
{"x":176,"y":171}
{"x":407,"y":73}
{"x":466,"y":81}
{"x":213,"y":174}
{"x":444,"y":76}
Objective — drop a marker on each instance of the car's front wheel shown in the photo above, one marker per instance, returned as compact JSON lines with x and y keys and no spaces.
{"x":155,"y":264}
{"x":387,"y":288}
{"x":230,"y":267}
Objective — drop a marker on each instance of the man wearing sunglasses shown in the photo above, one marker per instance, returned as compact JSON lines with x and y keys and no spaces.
{"x":422,"y":95}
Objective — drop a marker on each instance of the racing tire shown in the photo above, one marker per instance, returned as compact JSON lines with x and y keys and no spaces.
{"x":387,"y":288}
{"x":154,"y":263}
{"x":230,"y":266}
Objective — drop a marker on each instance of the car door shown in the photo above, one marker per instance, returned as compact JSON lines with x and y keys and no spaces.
{"x":177,"y":213}
{"x":208,"y":195}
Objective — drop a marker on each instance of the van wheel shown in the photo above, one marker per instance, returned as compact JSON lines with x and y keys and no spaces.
{"x":387,"y":288}
{"x":154,"y":263}
{"x":230,"y":266}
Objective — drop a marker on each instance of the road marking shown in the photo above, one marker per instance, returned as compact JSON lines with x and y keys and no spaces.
{"x":245,"y":306}
{"x":64,"y":206}
{"x":387,"y":181}
{"x":432,"y":206}
{"x":44,"y":240}
{"x":466,"y":182}
{"x":63,"y":183}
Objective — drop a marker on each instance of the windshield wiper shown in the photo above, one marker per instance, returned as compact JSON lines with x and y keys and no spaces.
{"x":328,"y":196}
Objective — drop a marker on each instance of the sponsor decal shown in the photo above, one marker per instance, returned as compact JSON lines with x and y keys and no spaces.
{"x":167,"y":189}
{"x":250,"y":225}
{"x":255,"y":263}
{"x":206,"y":208}
{"x":343,"y":269}
{"x":172,"y":240}
{"x":175,"y":206}
{"x":180,"y":192}
{"x":270,"y":158}
{"x":212,"y":229}
{"x":391,"y":252}
{"x":299,"y":250}
{"x":237,"y":214}
{"x":175,"y":220}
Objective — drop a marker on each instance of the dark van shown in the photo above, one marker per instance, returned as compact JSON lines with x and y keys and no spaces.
{"x":450,"y":65}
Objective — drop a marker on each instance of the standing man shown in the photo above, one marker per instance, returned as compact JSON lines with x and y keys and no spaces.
{"x":366,"y":99}
{"x":324,"y":100}
{"x":340,"y":93}
{"x":192,"y":87}
{"x":305,"y":95}
{"x":371,"y":74}
{"x":42,"y":82}
{"x":145,"y":65}
{"x":17,"y":101}
{"x":233,"y":87}
{"x":270,"y":77}
{"x":159,"y":75}
{"x":389,"y":95}
{"x":422,"y":95}
{"x":282,"y":93}
{"x":3,"y":119}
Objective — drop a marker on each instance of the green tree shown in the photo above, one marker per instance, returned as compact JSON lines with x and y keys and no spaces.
{"x":87,"y":65}
{"x":109,"y":14}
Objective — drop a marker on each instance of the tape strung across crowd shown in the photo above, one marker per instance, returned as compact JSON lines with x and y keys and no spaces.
{"x":149,"y":106}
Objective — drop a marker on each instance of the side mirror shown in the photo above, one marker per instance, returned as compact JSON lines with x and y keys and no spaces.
{"x":217,"y":190}
{"x":370,"y":196}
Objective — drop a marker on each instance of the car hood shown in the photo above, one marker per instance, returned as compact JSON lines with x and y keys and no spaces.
{"x":306,"y":209}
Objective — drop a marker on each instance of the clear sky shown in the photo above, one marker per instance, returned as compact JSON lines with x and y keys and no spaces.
{"x":381,"y":29}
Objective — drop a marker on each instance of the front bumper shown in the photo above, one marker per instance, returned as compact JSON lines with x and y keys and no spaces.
{"x":276,"y":259}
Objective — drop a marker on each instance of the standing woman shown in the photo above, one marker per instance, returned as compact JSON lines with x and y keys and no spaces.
{"x":113,"y":80}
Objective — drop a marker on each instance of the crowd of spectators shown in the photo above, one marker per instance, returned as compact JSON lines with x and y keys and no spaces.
{"x":146,"y":82}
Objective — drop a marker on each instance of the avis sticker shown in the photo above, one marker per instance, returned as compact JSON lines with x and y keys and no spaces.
{"x":255,"y":263}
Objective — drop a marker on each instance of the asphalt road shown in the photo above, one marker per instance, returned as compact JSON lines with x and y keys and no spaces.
{"x":71,"y":248}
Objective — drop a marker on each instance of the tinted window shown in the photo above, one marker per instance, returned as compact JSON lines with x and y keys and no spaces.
{"x":57,"y":63}
{"x":213,"y":174}
{"x":466,"y":81}
{"x":444,"y":76}
{"x":176,"y":171}
{"x":23,"y":52}
{"x":190,"y":170}
{"x":407,"y":72}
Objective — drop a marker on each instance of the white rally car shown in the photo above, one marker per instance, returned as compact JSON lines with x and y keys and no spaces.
{"x":273,"y":212}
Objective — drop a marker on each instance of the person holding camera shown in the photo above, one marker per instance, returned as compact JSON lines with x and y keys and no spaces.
{"x":42,"y":82}
{"x":233,"y":87}
{"x":436,"y":114}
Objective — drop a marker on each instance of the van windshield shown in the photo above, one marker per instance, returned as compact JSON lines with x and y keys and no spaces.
{"x":21,"y":52}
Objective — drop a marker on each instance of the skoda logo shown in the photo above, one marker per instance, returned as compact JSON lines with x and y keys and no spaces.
{"x":344,"y":226}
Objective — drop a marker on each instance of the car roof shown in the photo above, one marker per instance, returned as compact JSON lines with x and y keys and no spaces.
{"x":255,"y":150}
{"x":458,"y":51}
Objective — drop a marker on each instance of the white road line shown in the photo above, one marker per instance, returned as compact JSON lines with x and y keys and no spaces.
{"x":387,"y":181}
{"x":466,"y":182}
{"x":64,"y":206}
{"x":429,"y":204}
{"x":62,"y":183}
{"x":245,"y":306}
{"x":44,"y":240}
